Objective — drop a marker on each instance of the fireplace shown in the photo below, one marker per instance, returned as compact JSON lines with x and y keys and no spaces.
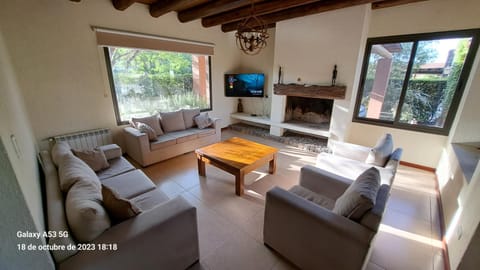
{"x":309,"y":112}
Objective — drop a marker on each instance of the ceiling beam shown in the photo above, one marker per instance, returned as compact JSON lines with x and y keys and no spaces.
{"x":160,"y":8}
{"x":304,"y":10}
{"x":392,"y":3}
{"x":212,"y":8}
{"x":122,"y":4}
{"x":259,"y":9}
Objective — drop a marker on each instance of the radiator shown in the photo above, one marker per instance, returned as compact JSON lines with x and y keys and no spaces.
{"x":85,"y":140}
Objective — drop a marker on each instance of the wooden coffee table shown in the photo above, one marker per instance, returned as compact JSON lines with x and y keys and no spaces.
{"x":238,"y":157}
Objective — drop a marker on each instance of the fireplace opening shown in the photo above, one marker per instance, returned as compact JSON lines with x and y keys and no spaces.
{"x":309,"y":112}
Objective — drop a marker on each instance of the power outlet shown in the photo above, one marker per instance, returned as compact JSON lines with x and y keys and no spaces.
{"x":459,"y":232}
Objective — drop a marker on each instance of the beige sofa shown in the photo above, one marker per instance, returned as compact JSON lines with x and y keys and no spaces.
{"x":174,"y":140}
{"x":163,"y":236}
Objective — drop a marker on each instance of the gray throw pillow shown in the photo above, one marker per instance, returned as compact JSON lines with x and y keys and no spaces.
{"x":381,"y":152}
{"x":360,"y":196}
{"x":203,"y":121}
{"x":188,"y":115}
{"x":144,"y":128}
{"x":96,"y":159}
{"x":152,"y":121}
{"x":172,"y":121}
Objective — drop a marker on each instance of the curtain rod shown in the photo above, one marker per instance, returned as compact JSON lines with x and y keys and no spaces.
{"x":134,"y":34}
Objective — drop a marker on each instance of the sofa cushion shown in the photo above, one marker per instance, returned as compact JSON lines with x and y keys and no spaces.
{"x":163,"y":141}
{"x":111,"y":151}
{"x":360,"y":196}
{"x":350,"y":168}
{"x":203,"y":121}
{"x":59,"y":149}
{"x":118,"y":208}
{"x":150,"y":199}
{"x":309,"y":195}
{"x":172,"y":121}
{"x":152,"y":121}
{"x":72,"y":169}
{"x":144,"y":128}
{"x":117,"y":166}
{"x":188,"y":115}
{"x":96,"y":159}
{"x":130,"y":184}
{"x":86,"y":216}
{"x":381,"y":152}
{"x":204,"y":132}
{"x":184,"y":135}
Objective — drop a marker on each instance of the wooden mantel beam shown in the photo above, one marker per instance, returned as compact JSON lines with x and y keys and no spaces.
{"x":160,"y":8}
{"x":260,"y":9}
{"x":392,"y":3}
{"x":122,"y":4}
{"x":304,"y":10}
{"x":212,"y":8}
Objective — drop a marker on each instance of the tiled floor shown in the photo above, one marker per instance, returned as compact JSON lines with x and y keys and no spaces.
{"x":230,"y":227}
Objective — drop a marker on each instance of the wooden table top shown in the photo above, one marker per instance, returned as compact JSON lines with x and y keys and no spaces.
{"x":237,"y":152}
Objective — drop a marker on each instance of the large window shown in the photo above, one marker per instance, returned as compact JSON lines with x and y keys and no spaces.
{"x":145,"y":82}
{"x":415,"y":82}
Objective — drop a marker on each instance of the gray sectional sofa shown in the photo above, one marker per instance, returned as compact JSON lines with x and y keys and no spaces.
{"x":164,"y":235}
{"x":177,"y":133}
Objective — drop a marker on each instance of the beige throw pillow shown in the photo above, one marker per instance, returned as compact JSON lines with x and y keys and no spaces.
{"x":152,"y":121}
{"x":119,"y":209}
{"x":96,"y":159}
{"x":172,"y":121}
{"x":381,"y":152}
{"x":86,"y":216}
{"x":144,"y":128}
{"x":203,"y":121}
{"x":360,"y":196}
{"x":72,"y":169}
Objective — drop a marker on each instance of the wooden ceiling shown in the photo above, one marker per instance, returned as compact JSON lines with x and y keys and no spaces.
{"x":229,"y":13}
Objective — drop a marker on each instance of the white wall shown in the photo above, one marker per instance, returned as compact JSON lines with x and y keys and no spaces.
{"x":62,"y":73}
{"x":309,"y":47}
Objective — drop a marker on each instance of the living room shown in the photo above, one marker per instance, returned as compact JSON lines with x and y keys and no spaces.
{"x":55,"y":81}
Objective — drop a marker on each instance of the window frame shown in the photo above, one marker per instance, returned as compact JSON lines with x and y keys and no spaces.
{"x":416,"y":38}
{"x":114,"y":94}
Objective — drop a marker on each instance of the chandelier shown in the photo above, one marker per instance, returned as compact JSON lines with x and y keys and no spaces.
{"x":251,"y":34}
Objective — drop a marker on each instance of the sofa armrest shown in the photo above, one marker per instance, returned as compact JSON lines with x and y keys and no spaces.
{"x":311,"y":236}
{"x":394,"y":160}
{"x":350,"y":150}
{"x":165,"y":237}
{"x":137,"y":144}
{"x":216,"y":122}
{"x":323,"y":182}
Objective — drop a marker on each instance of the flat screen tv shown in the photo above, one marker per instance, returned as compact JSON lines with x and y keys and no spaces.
{"x":244,"y":85}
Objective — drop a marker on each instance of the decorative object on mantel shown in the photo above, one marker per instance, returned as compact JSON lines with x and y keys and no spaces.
{"x":311,"y":91}
{"x":279,"y":74}
{"x":240,"y":106}
{"x":251,"y":34}
{"x":334,"y":75}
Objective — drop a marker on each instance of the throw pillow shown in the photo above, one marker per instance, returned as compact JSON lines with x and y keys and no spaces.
{"x":381,"y":152}
{"x":172,"y":121}
{"x":152,"y":121}
{"x":188,"y":115}
{"x":360,"y":196}
{"x":60,"y":149}
{"x":96,"y":159}
{"x":144,"y":128}
{"x":203,"y":121}
{"x":119,"y":209}
{"x":72,"y":169}
{"x":86,"y":216}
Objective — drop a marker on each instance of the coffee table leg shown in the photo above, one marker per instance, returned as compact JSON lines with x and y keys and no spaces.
{"x":273,"y":165}
{"x":201,"y":166}
{"x":239,"y":181}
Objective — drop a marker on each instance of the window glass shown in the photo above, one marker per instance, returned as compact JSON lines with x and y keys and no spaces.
{"x":145,"y":82}
{"x":415,"y":81}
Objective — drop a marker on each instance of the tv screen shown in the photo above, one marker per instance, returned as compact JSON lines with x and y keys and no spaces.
{"x":244,"y":85}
